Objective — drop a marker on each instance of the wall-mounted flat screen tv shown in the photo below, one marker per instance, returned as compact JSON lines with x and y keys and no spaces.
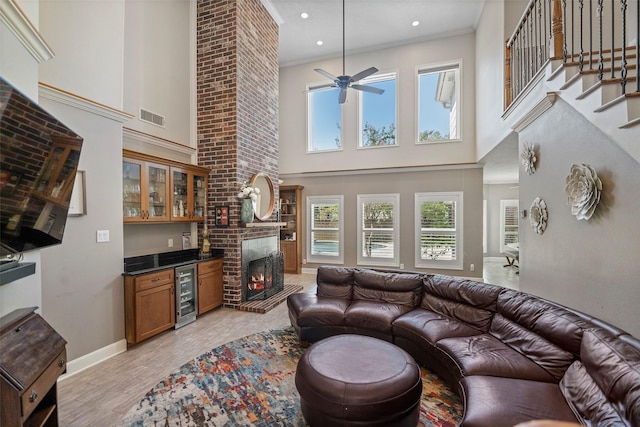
{"x":38,"y":162}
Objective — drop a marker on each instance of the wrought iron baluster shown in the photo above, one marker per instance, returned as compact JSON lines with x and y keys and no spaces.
{"x":600,"y":55}
{"x":591,"y":34}
{"x":573,"y":33}
{"x":623,"y":61}
{"x":581,"y":55}
{"x":541,"y":58}
{"x":637,"y":46}
{"x":564,"y":30}
{"x":613,"y":40}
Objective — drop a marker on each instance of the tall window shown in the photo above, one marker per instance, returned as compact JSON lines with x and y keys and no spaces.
{"x":378,"y":229}
{"x":325,"y":229}
{"x":439,"y":109}
{"x":324,"y":119}
{"x":378,"y":112}
{"x":508,"y":223}
{"x":438,"y":224}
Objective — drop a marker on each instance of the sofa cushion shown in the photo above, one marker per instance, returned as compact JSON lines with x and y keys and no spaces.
{"x":484,"y":354}
{"x":544,"y":353}
{"x":471,"y":302}
{"x":429,"y":326}
{"x":373,"y":315}
{"x":604,"y":387}
{"x":504,"y":402}
{"x":313,"y":310}
{"x":390,"y":287}
{"x":335,"y":282}
{"x":547,"y":319}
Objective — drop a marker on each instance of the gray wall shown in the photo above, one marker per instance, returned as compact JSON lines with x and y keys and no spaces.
{"x":468,"y":180}
{"x":589,"y":265}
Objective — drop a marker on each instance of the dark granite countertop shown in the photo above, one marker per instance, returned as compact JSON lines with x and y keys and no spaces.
{"x":143,"y":264}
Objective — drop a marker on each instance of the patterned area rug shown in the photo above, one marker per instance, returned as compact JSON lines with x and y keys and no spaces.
{"x":250,"y":382}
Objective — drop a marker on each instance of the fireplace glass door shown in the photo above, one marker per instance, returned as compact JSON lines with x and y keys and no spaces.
{"x":186,"y":295}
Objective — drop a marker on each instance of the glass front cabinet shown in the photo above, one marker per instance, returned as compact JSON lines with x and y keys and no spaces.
{"x":189,"y":194}
{"x":154,"y":190}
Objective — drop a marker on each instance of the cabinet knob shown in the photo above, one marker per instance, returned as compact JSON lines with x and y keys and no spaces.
{"x":33,"y":396}
{"x":61,"y":362}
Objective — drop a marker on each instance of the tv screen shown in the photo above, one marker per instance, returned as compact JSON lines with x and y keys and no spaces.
{"x":38,"y":162}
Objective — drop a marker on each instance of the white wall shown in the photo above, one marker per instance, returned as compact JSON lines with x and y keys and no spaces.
{"x":404,"y":60}
{"x":588,"y":265}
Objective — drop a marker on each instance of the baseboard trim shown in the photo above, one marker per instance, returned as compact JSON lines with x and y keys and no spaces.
{"x":88,"y":360}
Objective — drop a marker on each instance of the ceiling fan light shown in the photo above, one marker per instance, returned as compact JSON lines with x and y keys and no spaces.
{"x":304,"y":15}
{"x":415,"y":23}
{"x":319,"y":42}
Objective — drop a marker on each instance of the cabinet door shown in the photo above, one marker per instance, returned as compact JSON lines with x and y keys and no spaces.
{"x":189,"y":197}
{"x":210,"y":286}
{"x":156,"y":186}
{"x":198,"y":202}
{"x":288,"y":248}
{"x":132,"y":208}
{"x":155,"y":311}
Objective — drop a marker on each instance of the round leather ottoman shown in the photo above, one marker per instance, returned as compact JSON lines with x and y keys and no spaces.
{"x":354,"y":380}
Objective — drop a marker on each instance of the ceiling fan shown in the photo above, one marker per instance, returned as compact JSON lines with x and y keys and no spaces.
{"x":344,"y":82}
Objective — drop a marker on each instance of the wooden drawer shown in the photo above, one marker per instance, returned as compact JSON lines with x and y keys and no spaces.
{"x":209,"y":266}
{"x":37,"y":391}
{"x":151,"y":280}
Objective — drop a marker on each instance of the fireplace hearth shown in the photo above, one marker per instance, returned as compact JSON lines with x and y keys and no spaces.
{"x":264,"y":277}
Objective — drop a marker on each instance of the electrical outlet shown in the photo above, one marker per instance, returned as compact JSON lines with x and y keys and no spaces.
{"x":304,"y":260}
{"x":472,"y":267}
{"x":401,"y":266}
{"x":102,"y":236}
{"x":170,"y":243}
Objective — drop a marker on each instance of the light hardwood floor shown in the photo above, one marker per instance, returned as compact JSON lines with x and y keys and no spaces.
{"x":101,"y":395}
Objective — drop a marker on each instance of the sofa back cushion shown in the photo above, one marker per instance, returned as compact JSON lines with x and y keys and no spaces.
{"x":386,"y":286}
{"x":603,"y":388}
{"x":335,"y":282}
{"x":551,"y":321}
{"x":471,"y":302}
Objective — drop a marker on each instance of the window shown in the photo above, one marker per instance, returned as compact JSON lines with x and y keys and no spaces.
{"x":378,"y":230}
{"x":439,"y":109}
{"x":325,"y":229}
{"x":508,"y":223}
{"x":438,"y":223}
{"x":324,"y":119}
{"x":378,"y":112}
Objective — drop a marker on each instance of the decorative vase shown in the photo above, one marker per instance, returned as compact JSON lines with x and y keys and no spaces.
{"x":246,"y":211}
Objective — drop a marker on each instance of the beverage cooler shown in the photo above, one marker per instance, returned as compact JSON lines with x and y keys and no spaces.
{"x":186,"y":295}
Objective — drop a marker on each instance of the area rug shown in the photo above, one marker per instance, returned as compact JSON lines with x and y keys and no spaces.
{"x":250,"y":382}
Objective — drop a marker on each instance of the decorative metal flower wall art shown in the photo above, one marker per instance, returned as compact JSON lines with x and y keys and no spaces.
{"x":538,"y":215}
{"x":583,"y":191}
{"x":528,"y":157}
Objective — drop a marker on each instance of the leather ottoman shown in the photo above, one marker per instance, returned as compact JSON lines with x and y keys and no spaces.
{"x":354,"y":380}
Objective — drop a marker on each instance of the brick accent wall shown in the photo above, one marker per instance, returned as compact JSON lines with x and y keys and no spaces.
{"x":237,"y":98}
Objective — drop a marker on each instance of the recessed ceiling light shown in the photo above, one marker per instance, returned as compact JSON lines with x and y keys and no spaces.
{"x":415,"y":23}
{"x":319,"y":42}
{"x":304,"y":15}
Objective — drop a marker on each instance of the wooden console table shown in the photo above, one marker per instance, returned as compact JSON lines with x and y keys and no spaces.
{"x":33,"y":357}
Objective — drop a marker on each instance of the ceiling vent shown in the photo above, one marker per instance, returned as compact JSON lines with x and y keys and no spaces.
{"x":153,"y":118}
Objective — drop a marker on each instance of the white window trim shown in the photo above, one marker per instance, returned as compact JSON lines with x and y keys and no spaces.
{"x":372,"y":79}
{"x":458,"y":263}
{"x":484,"y":226}
{"x":380,"y":198}
{"x":324,"y":259}
{"x":504,"y":204}
{"x":421,"y":69}
{"x":311,"y":88}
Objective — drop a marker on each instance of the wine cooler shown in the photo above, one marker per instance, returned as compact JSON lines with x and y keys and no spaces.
{"x":186,"y":295}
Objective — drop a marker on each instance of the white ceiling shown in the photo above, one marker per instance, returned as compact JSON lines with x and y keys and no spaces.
{"x":377,"y":24}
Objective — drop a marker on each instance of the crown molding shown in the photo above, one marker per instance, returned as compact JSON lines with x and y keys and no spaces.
{"x":68,"y":98}
{"x":18,"y":23}
{"x":543,"y":105}
{"x":148,"y":139}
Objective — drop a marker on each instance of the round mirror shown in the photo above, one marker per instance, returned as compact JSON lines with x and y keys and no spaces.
{"x":263,"y":205}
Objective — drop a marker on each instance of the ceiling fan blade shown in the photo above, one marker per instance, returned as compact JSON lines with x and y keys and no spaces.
{"x":342,"y":97}
{"x":363,"y":74}
{"x":368,"y":89}
{"x":326,"y":74}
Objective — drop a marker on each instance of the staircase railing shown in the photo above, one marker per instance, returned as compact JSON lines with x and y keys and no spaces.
{"x":597,"y":35}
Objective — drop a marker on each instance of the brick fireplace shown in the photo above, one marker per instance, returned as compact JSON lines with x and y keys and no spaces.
{"x":237,"y":117}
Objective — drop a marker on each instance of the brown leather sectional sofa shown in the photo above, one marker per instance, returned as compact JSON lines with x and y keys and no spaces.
{"x":511,"y":356}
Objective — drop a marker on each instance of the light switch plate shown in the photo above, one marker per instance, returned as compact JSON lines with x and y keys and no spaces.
{"x":102,"y":236}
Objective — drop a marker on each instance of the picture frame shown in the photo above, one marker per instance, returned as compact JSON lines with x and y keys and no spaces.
{"x":221,"y":216}
{"x":78,"y":202}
